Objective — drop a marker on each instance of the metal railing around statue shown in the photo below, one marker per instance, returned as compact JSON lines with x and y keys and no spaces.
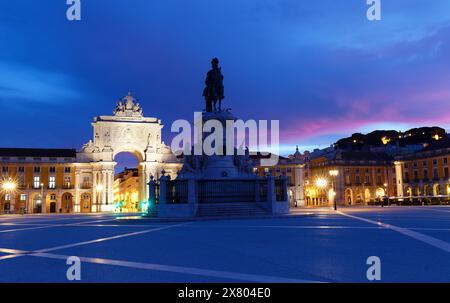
{"x":280,"y":192}
{"x":225,"y":191}
{"x":177,"y":191}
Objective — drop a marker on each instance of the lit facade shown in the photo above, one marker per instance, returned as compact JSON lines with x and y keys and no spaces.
{"x":361,"y":178}
{"x":425,"y":175}
{"x":408,"y":174}
{"x":65,"y":180}
{"x":43,"y":180}
{"x":126,"y":191}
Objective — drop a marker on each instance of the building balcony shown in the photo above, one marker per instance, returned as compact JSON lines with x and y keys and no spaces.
{"x":86,"y":186}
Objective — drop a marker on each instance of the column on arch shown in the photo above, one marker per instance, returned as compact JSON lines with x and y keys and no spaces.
{"x":104,"y":189}
{"x":147,"y":169}
{"x":111,"y":187}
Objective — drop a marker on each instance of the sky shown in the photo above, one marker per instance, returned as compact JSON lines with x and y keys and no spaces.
{"x":319,"y":67}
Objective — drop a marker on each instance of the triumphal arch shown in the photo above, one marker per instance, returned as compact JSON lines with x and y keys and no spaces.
{"x":127,"y":130}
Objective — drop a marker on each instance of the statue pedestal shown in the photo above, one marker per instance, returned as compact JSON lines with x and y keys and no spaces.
{"x":219,"y":167}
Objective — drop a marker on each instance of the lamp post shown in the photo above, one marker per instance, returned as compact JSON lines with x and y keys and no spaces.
{"x":333,"y":174}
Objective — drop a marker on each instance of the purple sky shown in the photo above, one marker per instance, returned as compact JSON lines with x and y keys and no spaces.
{"x":320,"y":67}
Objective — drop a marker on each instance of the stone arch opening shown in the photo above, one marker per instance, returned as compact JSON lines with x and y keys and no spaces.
{"x":67,"y":202}
{"x":367,"y":195}
{"x":409,"y":191}
{"x":380,"y":193}
{"x":129,"y":183}
{"x":436,"y":189}
{"x":51,"y":202}
{"x":348,"y":196}
{"x":85,"y":202}
{"x":426,"y":190}
{"x":36,"y":200}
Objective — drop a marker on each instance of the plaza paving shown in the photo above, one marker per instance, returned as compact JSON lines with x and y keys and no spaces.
{"x":313,"y":245}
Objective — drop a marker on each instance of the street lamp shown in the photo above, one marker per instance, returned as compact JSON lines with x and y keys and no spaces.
{"x":9,"y":186}
{"x":333,"y":174}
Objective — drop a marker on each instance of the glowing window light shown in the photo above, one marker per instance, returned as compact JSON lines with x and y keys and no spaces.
{"x":321,"y":182}
{"x":385,"y":140}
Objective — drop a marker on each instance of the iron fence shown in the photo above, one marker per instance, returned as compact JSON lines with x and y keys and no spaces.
{"x":224,"y":191}
{"x":176,"y":191}
{"x":280,"y":193}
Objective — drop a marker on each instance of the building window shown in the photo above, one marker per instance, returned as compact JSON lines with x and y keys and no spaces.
{"x":415,"y":164}
{"x":367,"y":179}
{"x":53,"y":197}
{"x":21,"y":181}
{"x":5,"y":169}
{"x":67,"y":182}
{"x":435,"y":174}
{"x":424,"y":163}
{"x":37,"y":182}
{"x":23,"y":197}
{"x":52,"y":182}
{"x":37,"y":169}
{"x":358,"y":179}
{"x":416,"y":175}
{"x":379,"y":180}
{"x":21,"y":169}
{"x":67,"y":170}
{"x":434,"y":161}
{"x":445,"y":160}
{"x":52,"y":169}
{"x":347,"y":179}
{"x":7,"y":197}
{"x":425,"y":174}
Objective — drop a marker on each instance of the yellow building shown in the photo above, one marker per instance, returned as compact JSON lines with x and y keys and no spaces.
{"x":415,"y":176}
{"x":425,"y":175}
{"x":351,"y":178}
{"x":126,"y":191}
{"x":37,"y":180}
